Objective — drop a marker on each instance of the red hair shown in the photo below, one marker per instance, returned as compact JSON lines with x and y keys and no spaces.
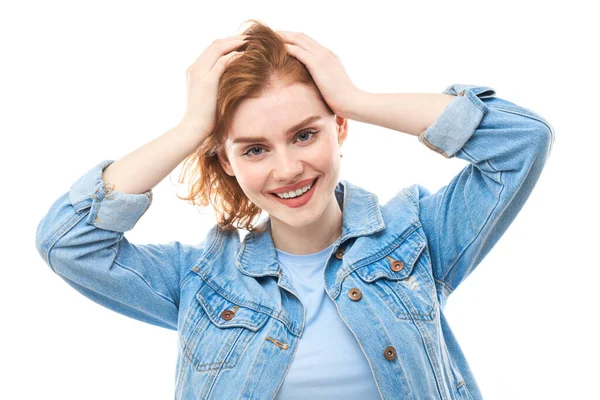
{"x":264,"y":61}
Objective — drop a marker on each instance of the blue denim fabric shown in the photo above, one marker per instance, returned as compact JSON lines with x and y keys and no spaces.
{"x":237,"y":321}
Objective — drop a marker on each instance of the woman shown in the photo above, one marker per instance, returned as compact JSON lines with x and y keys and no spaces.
{"x":332,"y":295}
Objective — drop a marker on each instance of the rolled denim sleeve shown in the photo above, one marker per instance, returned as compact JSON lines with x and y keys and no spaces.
{"x":109,"y":209}
{"x":82,"y":239}
{"x":506,"y":146}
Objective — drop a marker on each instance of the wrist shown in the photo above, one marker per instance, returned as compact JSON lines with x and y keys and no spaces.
{"x":355,"y":105}
{"x":191,"y":131}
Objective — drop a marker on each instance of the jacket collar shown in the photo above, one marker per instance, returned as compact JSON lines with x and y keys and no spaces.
{"x":361,"y":215}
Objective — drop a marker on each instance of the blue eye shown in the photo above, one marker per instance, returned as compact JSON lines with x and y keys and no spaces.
{"x":249,"y":154}
{"x":250,"y":149}
{"x":307,"y":132}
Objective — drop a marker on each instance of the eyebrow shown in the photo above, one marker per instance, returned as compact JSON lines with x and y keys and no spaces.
{"x":261,"y":139}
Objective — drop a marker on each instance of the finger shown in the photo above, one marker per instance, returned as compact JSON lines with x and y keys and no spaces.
{"x":304,"y":41}
{"x":292,"y":38}
{"x":230,"y":38}
{"x":226,"y":45}
{"x":302,"y":55}
{"x":223,"y":61}
{"x":236,"y":37}
{"x":222,"y":47}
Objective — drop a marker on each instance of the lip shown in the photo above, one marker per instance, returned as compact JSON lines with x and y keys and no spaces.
{"x":300,"y":201}
{"x":299,"y":185}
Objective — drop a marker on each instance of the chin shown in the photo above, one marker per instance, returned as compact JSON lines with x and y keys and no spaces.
{"x":298,"y":219}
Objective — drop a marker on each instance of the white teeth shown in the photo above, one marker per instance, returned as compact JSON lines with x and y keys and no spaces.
{"x":295,"y":193}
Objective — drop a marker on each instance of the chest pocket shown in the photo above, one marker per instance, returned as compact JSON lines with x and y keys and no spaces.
{"x":403,"y":280}
{"x":217,"y":330}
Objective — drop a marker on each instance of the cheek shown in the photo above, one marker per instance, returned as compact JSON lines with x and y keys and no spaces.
{"x":250,"y":181}
{"x":329,"y":156}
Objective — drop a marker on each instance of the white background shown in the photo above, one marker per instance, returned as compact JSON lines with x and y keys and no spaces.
{"x":86,"y":81}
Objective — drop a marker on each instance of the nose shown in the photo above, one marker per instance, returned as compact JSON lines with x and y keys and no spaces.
{"x":288,"y":167}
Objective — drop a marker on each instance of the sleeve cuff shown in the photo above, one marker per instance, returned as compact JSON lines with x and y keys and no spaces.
{"x":109,"y":209}
{"x":459,"y":120}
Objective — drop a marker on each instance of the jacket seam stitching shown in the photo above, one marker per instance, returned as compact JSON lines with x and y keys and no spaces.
{"x":430,"y":351}
{"x":503,"y":186}
{"x":528,"y":115}
{"x":133,"y":271}
{"x":472,"y":97}
{"x":59,"y":234}
{"x":206,"y":253}
{"x":445,"y":285}
{"x":412,"y":198}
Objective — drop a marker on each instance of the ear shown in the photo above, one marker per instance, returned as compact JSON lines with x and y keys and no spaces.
{"x":342,"y":128}
{"x":225,"y":162}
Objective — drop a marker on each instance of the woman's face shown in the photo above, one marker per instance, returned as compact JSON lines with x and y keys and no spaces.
{"x":285,"y":156}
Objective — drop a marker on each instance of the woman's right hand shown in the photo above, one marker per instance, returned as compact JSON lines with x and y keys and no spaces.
{"x":203,"y":80}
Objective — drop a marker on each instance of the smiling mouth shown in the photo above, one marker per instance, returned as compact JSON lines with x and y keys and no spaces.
{"x":286,"y":198}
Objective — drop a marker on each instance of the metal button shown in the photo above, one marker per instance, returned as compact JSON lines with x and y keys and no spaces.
{"x":340,"y":254}
{"x":390,"y":353}
{"x":355,"y":294}
{"x":227,"y":314}
{"x":396,"y":265}
{"x":462,"y":93}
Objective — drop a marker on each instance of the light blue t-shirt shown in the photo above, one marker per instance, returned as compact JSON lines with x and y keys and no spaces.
{"x":329,"y":363}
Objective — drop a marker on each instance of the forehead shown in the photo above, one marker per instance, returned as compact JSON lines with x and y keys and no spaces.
{"x":275,"y":111}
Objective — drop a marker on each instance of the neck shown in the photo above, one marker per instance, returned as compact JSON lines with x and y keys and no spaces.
{"x":309,"y":238}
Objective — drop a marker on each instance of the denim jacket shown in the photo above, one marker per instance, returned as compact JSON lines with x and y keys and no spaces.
{"x":389,"y":274}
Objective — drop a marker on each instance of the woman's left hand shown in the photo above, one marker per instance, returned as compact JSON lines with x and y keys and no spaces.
{"x":326,"y":70}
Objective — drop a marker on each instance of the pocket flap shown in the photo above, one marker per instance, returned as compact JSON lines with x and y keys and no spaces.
{"x":214,"y":304}
{"x":408,"y":251}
